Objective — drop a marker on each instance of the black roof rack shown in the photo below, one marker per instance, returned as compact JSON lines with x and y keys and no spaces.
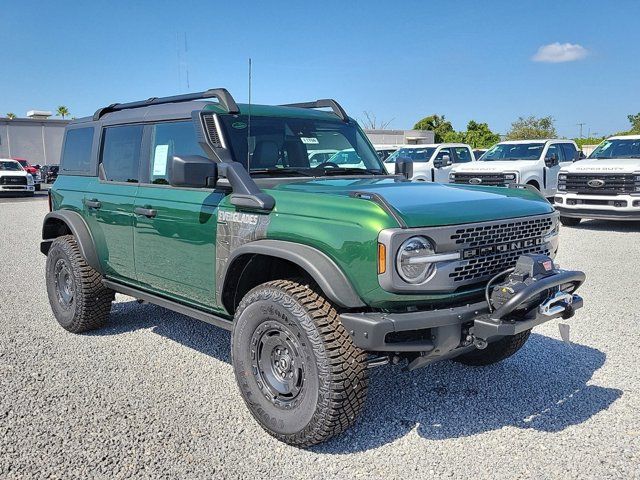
{"x":222,"y":94}
{"x":325,"y":102}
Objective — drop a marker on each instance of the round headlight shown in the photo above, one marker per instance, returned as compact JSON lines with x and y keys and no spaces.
{"x":413,"y":263}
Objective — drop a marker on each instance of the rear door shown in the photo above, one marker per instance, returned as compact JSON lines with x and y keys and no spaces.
{"x":108,"y":203}
{"x":175,"y":228}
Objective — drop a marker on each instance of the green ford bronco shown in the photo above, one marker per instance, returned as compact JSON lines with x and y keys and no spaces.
{"x":321,"y":266}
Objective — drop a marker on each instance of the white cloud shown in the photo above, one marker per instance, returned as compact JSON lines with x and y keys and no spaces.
{"x":560,"y":52}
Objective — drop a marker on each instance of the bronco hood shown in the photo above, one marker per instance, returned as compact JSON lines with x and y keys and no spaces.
{"x":421,"y":204}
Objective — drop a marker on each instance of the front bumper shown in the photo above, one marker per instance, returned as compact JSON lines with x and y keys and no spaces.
{"x":16,"y":188}
{"x":439,"y":332}
{"x":605,"y":207}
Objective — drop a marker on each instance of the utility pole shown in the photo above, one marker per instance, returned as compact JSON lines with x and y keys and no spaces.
{"x":581,"y":125}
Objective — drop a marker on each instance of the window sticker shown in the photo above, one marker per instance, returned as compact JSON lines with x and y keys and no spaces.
{"x":160,"y":160}
{"x":310,"y":140}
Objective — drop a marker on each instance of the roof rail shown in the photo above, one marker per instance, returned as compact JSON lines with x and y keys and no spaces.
{"x":325,"y":102}
{"x":222,"y":94}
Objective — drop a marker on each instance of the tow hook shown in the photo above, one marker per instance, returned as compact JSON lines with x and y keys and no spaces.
{"x":480,"y":343}
{"x":558,"y":303}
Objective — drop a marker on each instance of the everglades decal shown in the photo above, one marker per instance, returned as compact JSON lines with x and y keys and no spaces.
{"x":237,"y":217}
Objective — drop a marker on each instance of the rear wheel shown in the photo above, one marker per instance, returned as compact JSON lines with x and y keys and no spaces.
{"x":495,"y":351}
{"x":79,"y":300}
{"x":569,"y":221}
{"x":297,"y":369}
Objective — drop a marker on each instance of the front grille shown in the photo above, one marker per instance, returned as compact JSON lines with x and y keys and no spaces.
{"x":13,"y":180}
{"x":599,"y":183}
{"x":489,"y":179}
{"x":516,"y":236}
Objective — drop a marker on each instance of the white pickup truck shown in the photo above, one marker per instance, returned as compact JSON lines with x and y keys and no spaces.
{"x":605,"y":186}
{"x":431,"y":162}
{"x":532,"y":162}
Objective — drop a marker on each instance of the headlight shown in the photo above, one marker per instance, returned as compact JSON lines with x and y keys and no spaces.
{"x":562,"y":177}
{"x":413,"y":262}
{"x":452,"y":176}
{"x":29,"y":179}
{"x":510,"y":176}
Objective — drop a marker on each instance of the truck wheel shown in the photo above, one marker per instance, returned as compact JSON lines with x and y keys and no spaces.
{"x":79,"y":300}
{"x":569,"y":221}
{"x":298,"y":371}
{"x":495,"y":351}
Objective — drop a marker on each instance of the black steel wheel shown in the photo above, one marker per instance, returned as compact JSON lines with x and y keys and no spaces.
{"x":298,"y":371}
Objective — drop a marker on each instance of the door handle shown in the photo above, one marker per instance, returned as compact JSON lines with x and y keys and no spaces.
{"x":145,"y":212}
{"x":93,"y":204}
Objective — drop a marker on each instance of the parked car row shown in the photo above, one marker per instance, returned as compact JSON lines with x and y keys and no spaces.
{"x":18,"y":176}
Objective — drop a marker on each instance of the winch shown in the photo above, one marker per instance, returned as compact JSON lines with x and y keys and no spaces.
{"x":529,"y":269}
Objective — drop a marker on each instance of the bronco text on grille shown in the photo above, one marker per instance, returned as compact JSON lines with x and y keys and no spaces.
{"x":490,"y":249}
{"x":489,"y":179}
{"x":598,"y":183}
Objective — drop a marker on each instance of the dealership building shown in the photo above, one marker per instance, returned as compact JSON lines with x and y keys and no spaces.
{"x":400,"y":137}
{"x":36,"y":138}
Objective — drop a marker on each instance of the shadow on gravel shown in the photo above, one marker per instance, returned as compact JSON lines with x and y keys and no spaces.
{"x":543,"y":387}
{"x":200,"y":336}
{"x":608,"y":226}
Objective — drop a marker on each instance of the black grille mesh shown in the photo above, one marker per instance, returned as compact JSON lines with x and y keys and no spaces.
{"x":483,"y":267}
{"x":13,"y":180}
{"x":613,"y":184}
{"x":489,"y":179}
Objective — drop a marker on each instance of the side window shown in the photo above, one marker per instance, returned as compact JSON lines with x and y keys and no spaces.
{"x":76,"y":157}
{"x":168,"y":139}
{"x":569,"y":151}
{"x":443,"y":152}
{"x":463,"y":155}
{"x":121,"y":153}
{"x":553,"y":150}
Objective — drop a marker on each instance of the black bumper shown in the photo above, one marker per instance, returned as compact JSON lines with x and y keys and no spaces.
{"x":597,"y":214}
{"x":377,"y":331}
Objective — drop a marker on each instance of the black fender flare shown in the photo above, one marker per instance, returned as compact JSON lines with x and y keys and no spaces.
{"x":329,"y":277}
{"x":79,"y":229}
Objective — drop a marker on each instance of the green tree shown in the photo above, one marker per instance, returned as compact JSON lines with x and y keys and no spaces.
{"x":479,"y":135}
{"x":11,"y":115}
{"x":439,"y":125}
{"x":62,"y":111}
{"x":635,"y":123}
{"x":532,"y":128}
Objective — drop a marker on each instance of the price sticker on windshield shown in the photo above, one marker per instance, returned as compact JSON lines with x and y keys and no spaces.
{"x":310,"y":140}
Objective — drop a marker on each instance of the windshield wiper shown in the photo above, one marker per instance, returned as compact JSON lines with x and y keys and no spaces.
{"x":281,"y":172}
{"x":351,"y":171}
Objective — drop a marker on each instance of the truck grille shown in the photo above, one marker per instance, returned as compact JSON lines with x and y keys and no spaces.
{"x":599,"y":183}
{"x":12,"y":180}
{"x":490,"y":249}
{"x":489,"y":179}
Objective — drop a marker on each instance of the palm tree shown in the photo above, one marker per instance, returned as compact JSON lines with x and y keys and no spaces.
{"x":11,"y":116}
{"x":62,"y":111}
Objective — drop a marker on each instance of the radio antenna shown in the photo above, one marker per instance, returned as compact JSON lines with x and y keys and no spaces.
{"x":249,"y":123}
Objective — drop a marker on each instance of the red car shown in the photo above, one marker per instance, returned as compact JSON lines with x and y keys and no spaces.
{"x":33,"y":170}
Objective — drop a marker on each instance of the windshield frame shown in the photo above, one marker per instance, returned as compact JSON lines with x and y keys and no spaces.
{"x":611,"y":141}
{"x":351,"y":132}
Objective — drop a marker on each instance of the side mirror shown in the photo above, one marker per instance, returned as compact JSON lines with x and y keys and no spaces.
{"x":551,"y":161}
{"x":443,"y":161}
{"x":404,"y":167}
{"x":192,"y":171}
{"x":579,"y":156}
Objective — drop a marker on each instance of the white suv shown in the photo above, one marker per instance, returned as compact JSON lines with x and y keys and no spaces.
{"x":606,"y":185}
{"x":431,"y":162}
{"x":532,"y":162}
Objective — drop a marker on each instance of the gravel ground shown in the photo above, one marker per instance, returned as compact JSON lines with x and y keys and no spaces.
{"x":153,"y":395}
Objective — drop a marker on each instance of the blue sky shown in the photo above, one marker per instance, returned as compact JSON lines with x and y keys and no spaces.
{"x":400,"y":60}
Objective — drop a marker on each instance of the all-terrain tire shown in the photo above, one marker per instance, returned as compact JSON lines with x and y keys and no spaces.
{"x":334,"y":382}
{"x":569,"y":221}
{"x":496,"y":351}
{"x":79,"y":300}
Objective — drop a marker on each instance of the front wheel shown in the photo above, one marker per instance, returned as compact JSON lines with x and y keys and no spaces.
{"x":495,"y":351}
{"x":298,"y":371}
{"x":569,"y":221}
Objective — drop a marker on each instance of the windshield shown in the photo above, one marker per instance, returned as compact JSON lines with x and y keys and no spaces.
{"x":22,"y":162}
{"x":617,"y":148}
{"x":415,"y":154}
{"x":281,"y":145}
{"x":513,"y":151}
{"x":12,"y":166}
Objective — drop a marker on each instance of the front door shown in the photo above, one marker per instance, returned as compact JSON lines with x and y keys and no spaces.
{"x":441,"y":175}
{"x":108,"y":207}
{"x":551,"y":173}
{"x":175,"y":228}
